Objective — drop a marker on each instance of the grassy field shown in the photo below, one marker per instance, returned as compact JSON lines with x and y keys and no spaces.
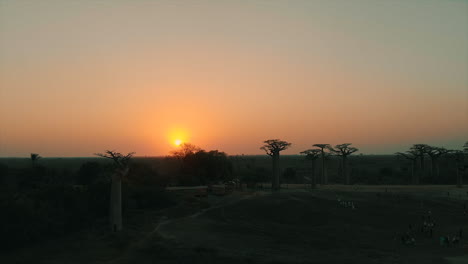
{"x":295,"y":225}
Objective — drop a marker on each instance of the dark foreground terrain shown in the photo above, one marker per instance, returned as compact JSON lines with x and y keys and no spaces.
{"x":293,"y":226}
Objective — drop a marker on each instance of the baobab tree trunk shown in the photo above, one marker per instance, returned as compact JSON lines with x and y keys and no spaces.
{"x":115,"y":214}
{"x":459,"y":176}
{"x":435,"y":169}
{"x":432,"y":171}
{"x":345,"y":171}
{"x":414,"y":176}
{"x":324,"y":170}
{"x":421,"y":167}
{"x":276,"y":172}
{"x":313,"y":179}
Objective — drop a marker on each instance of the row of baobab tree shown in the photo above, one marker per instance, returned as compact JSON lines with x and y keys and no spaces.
{"x":418,"y":152}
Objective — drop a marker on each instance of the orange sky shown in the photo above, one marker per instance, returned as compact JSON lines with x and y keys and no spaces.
{"x":80,"y":77}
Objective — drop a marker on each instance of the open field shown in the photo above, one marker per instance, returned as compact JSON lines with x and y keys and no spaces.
{"x":292,"y":226}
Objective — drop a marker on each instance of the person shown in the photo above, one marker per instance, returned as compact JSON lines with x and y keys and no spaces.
{"x":424,"y":226}
{"x":430,"y":227}
{"x":460,"y":233}
{"x":442,"y":241}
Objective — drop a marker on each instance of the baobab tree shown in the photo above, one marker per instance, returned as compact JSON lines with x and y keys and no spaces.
{"x":434,"y":153}
{"x":121,"y":170}
{"x":34,"y":158}
{"x":312,"y":155}
{"x":459,"y":157}
{"x":324,"y":170}
{"x":421,"y":150}
{"x":273,"y":147}
{"x":344,"y":150}
{"x":412,"y":156}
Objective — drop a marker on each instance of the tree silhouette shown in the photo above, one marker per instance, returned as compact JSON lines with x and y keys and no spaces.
{"x":273,"y":147}
{"x":412,"y":156}
{"x":459,"y":157}
{"x":421,"y":150}
{"x":344,"y":150}
{"x":435,"y":153}
{"x":34,"y":158}
{"x":324,"y":169}
{"x":121,"y":170}
{"x":312,"y":155}
{"x":184,"y":150}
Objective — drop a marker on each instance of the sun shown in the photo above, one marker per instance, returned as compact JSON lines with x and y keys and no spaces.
{"x":178,"y":142}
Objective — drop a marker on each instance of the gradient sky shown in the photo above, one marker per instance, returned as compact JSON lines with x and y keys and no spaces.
{"x":79,"y":77}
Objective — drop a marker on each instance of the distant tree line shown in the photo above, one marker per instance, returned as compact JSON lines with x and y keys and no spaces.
{"x":417,"y":155}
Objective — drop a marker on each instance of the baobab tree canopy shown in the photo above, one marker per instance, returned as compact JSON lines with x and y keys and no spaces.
{"x":410,"y":154}
{"x":274,"y":146}
{"x":322,"y":146}
{"x":343,"y":149}
{"x":35,"y":156}
{"x":420,"y":148}
{"x":120,"y":160}
{"x":436,"y":151}
{"x":312,"y":153}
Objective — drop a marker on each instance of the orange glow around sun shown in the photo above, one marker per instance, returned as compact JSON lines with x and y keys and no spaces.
{"x":178,"y":136}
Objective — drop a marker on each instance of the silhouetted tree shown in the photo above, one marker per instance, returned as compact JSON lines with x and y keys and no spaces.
{"x":324,"y":169}
{"x":202,"y":167}
{"x":208,"y":166}
{"x":421,"y":150}
{"x":459,"y":157}
{"x":34,"y":158}
{"x":412,"y":156}
{"x":273,"y":147}
{"x":312,"y":155}
{"x":435,"y":153}
{"x":184,"y":150}
{"x":121,"y":170}
{"x":344,"y":150}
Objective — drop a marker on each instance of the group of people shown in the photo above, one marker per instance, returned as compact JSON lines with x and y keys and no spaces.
{"x":346,"y":204}
{"x":449,"y":240}
{"x":408,"y":238}
{"x":427,"y":228}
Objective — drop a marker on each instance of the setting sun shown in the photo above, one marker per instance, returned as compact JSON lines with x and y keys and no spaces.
{"x":177,"y":142}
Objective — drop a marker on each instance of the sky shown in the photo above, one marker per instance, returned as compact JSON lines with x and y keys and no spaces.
{"x":80,"y":77}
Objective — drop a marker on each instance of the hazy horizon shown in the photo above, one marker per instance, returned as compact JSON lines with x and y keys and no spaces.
{"x":80,"y":77}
